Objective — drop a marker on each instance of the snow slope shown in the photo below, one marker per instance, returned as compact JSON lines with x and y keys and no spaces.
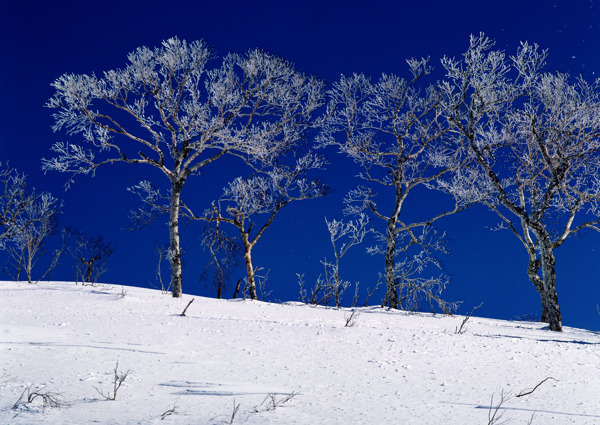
{"x":390,"y":367}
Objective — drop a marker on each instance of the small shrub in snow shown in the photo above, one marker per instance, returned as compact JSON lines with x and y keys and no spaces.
{"x":271,"y":402}
{"x":119,"y":378}
{"x":48,"y":398}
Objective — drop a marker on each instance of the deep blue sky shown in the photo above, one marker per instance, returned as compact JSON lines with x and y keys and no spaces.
{"x":40,"y":40}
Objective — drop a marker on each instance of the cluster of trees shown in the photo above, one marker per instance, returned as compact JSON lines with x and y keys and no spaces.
{"x":28,"y":219}
{"x":496,"y":130}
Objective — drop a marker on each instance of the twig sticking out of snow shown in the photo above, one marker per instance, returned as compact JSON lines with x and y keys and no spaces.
{"x":351,"y":319}
{"x":274,"y":403}
{"x":236,"y":407}
{"x":171,"y":411}
{"x":186,"y":307}
{"x":460,"y":330}
{"x":524,"y":392}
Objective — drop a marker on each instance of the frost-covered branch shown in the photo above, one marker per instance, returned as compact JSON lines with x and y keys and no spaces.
{"x":343,"y":235}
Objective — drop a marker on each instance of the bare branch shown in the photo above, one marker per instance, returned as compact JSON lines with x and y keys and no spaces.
{"x":524,"y":392}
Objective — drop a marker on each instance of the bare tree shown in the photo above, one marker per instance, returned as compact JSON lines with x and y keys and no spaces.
{"x":264,"y":194}
{"x":90,"y":254}
{"x":37,"y":221}
{"x":535,"y":138}
{"x":167,"y":109}
{"x":393,"y":130}
{"x":224,"y":250}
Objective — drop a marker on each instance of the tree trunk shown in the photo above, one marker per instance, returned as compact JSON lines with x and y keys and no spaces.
{"x":174,"y":248}
{"x":249,"y":268}
{"x":532,"y":272}
{"x":336,"y":280}
{"x":549,"y":277}
{"x":543,"y":298}
{"x":29,"y":266}
{"x":237,"y":288}
{"x":392,"y":294}
{"x":88,"y":272}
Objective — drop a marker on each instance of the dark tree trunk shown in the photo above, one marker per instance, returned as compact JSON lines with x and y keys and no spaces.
{"x":392,"y":294}
{"x":549,"y":277}
{"x":237,"y":288}
{"x":532,"y":272}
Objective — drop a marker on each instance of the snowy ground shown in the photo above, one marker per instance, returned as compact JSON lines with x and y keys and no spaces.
{"x":390,"y":367}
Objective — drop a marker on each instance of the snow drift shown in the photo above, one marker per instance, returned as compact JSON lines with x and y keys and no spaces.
{"x":249,"y":362}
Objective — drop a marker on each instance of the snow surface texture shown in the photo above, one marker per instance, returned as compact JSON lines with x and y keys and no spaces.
{"x":281,"y":364}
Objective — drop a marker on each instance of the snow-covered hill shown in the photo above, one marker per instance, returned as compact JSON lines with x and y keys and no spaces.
{"x":278,"y":364}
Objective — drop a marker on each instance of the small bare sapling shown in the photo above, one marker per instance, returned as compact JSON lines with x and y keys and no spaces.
{"x":119,"y":378}
{"x":495,"y":412}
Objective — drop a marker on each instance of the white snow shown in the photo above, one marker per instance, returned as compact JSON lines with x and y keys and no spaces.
{"x":390,"y":367}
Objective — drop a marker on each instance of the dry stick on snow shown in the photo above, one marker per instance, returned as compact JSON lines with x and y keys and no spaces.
{"x":171,"y":411}
{"x":524,"y":393}
{"x":351,"y":319}
{"x":236,"y":407}
{"x":274,"y":402}
{"x":186,"y":307}
{"x":465,"y":320}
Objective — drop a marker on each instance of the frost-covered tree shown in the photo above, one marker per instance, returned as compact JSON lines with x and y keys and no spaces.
{"x":246,"y":200}
{"x":418,"y":271}
{"x":330,"y":286}
{"x":536,"y":139}
{"x":169,"y":110}
{"x":13,"y":200}
{"x":393,"y":129}
{"x":37,"y":222}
